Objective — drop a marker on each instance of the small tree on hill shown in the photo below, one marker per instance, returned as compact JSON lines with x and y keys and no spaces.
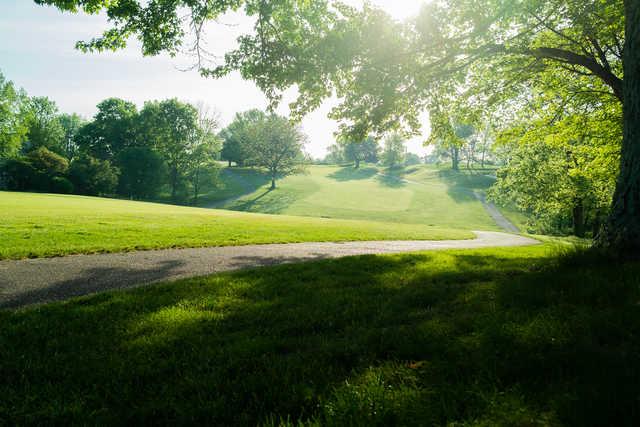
{"x":394,"y":151}
{"x":277,"y":147}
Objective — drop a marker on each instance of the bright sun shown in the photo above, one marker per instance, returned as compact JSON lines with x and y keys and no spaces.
{"x":399,"y":9}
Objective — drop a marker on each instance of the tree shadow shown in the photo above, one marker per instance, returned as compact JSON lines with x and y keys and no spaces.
{"x":272,"y":201}
{"x":92,"y":280}
{"x":422,"y":338}
{"x":349,"y":173}
{"x":461,"y":185}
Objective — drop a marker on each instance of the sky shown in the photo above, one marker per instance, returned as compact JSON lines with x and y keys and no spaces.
{"x":37,"y":53}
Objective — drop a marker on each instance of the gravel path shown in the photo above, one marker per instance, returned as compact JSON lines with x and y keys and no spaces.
{"x":33,"y":281}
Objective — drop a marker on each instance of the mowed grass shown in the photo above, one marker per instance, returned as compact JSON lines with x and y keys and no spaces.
{"x":513,"y":336}
{"x":41,"y":225}
{"x":416,"y":195}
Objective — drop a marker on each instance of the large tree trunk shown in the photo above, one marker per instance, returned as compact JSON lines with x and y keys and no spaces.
{"x":273,"y":183}
{"x":622,"y":230}
{"x":455,"y":158}
{"x":578,"y":218}
{"x":174,"y":182}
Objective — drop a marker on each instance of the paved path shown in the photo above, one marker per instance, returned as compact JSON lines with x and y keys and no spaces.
{"x":34,"y":281}
{"x":495,"y":213}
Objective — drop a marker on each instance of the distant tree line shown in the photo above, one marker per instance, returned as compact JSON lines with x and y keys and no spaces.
{"x":392,"y":154}
{"x":167,"y":148}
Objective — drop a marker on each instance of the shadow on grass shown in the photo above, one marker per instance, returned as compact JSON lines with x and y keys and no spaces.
{"x":270,"y":202}
{"x":493,"y":337}
{"x":460,"y":185}
{"x":349,"y":173}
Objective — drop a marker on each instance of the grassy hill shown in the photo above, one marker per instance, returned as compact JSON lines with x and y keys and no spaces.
{"x":417,"y":195}
{"x":35,"y":225}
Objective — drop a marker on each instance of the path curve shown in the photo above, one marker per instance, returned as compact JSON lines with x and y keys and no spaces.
{"x":495,"y":214}
{"x":34,"y":281}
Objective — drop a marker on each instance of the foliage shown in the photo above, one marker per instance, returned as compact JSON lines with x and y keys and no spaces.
{"x":412,"y":159}
{"x":71,"y":125}
{"x":112,"y":129}
{"x":360,"y":151}
{"x":238,"y":137}
{"x":13,"y":118}
{"x":142,"y":172}
{"x":203,"y":169}
{"x":562,"y":164}
{"x":394,"y":152}
{"x":48,"y":162}
{"x":44,"y":128}
{"x":18,"y":174}
{"x":171,"y":127}
{"x":93,"y":177}
{"x":38,"y":171}
{"x":277,"y":146}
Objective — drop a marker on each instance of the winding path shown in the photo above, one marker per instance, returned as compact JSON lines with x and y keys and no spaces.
{"x":34,"y":281}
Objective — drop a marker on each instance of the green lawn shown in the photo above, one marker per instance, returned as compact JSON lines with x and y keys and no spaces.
{"x":37,"y":225}
{"x":417,"y":195}
{"x":513,"y":336}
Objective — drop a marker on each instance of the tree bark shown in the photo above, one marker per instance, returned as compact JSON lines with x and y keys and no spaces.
{"x":455,"y":158}
{"x":622,"y":230}
{"x":273,"y":183}
{"x":357,"y":163}
{"x":578,"y":218}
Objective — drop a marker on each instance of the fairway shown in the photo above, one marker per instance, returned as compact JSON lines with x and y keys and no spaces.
{"x":418,"y":195}
{"x":40,"y":225}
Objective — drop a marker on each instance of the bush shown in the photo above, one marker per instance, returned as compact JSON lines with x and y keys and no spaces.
{"x":61,"y":185}
{"x":142,"y":172}
{"x":93,"y":177}
{"x":18,"y":175}
{"x":48,"y":162}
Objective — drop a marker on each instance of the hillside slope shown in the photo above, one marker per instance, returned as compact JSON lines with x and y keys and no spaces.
{"x":36,"y":225}
{"x":417,"y":195}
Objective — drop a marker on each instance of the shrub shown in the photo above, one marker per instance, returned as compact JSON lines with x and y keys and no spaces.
{"x":61,"y":185}
{"x":142,"y":172}
{"x":48,"y":162}
{"x":18,"y":175}
{"x":92,"y":176}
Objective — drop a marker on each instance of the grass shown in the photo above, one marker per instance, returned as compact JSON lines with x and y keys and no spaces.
{"x":41,"y":225}
{"x":513,"y":336}
{"x":417,"y":195}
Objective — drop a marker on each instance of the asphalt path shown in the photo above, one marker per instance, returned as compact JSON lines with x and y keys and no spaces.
{"x":36,"y":281}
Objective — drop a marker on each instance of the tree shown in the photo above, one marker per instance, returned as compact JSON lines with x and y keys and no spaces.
{"x":142,"y":172}
{"x":44,"y":128}
{"x":237,"y":137}
{"x":113,"y":128}
{"x":394,"y":153}
{"x":93,"y":177}
{"x":412,"y":159}
{"x":171,"y":127}
{"x":335,"y":154}
{"x":71,"y":125}
{"x":362,"y":151}
{"x":40,"y":170}
{"x":277,"y":147}
{"x":13,"y":118}
{"x":203,"y":169}
{"x":386,"y":72}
